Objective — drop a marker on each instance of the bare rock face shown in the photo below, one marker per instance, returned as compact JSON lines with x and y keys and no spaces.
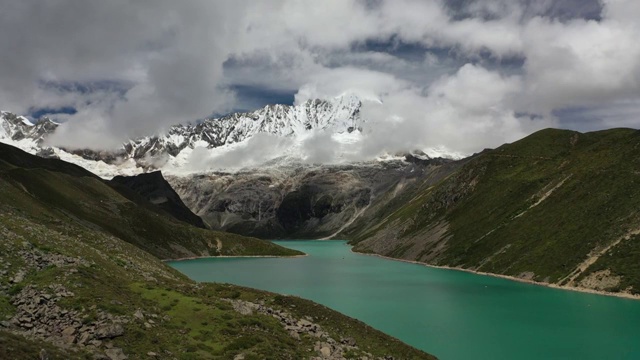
{"x":299,"y":201}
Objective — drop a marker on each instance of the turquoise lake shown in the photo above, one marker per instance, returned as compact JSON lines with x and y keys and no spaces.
{"x":451,"y":314}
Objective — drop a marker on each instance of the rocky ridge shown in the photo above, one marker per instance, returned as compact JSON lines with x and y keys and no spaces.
{"x":155,"y":189}
{"x":557,"y":207}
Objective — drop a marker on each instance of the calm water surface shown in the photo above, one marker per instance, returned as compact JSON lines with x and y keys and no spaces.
{"x":451,"y":314}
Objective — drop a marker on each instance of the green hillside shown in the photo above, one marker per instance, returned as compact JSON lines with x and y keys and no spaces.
{"x":558,"y":206}
{"x":76,"y":282}
{"x":55,"y":191}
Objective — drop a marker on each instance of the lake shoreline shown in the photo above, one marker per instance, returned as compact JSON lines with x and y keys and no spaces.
{"x":233,"y":256}
{"x":508,"y":277}
{"x":437,"y":310}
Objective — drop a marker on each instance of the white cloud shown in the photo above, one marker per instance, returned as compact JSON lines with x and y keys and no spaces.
{"x":474,"y":89}
{"x":580,"y":62}
{"x":171,"y":53}
{"x":366,"y":84}
{"x":256,"y":151}
{"x":464,"y":113}
{"x":170,"y":57}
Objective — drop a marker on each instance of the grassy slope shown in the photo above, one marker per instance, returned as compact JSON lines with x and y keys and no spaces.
{"x":191,"y":321}
{"x":495,"y":224}
{"x":79,"y":196}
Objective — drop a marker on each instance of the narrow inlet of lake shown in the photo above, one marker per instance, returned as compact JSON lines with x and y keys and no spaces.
{"x":451,"y":314}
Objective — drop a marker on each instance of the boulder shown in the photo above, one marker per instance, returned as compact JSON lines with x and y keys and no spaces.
{"x":348,"y":341}
{"x":69,"y":331}
{"x":109,"y":331}
{"x":325,"y":351}
{"x":43,"y":355}
{"x":116,"y":354}
{"x":138,"y":314}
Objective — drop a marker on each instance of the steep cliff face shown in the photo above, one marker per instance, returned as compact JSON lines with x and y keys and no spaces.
{"x":301,"y":201}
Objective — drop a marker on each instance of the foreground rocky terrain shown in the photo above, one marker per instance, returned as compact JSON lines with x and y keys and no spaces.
{"x":105,"y":299}
{"x":73,"y":287}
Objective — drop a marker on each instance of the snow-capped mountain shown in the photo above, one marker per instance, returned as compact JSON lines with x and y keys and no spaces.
{"x":339,"y":115}
{"x":20,"y":132}
{"x":174,"y":150}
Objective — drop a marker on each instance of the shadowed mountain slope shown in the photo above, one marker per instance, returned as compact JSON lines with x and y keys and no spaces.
{"x":156,"y":190}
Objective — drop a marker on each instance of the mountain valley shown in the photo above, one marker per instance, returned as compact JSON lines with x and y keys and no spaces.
{"x":558,"y":207}
{"x":81,"y":277}
{"x":552,"y":191}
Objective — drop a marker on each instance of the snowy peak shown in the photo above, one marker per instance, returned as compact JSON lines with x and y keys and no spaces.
{"x":21,"y":132}
{"x":338,"y":115}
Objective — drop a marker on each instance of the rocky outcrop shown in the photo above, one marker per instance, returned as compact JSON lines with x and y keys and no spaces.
{"x":39,"y":315}
{"x":326,"y":346}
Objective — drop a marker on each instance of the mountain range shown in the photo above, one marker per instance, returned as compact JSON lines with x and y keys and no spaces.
{"x":557,"y":207}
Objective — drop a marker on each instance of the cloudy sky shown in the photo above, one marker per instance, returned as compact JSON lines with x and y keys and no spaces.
{"x":463,"y":74}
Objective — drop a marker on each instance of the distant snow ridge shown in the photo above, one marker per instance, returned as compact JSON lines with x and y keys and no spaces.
{"x":175,"y":150}
{"x":22,"y":133}
{"x":339,"y":115}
